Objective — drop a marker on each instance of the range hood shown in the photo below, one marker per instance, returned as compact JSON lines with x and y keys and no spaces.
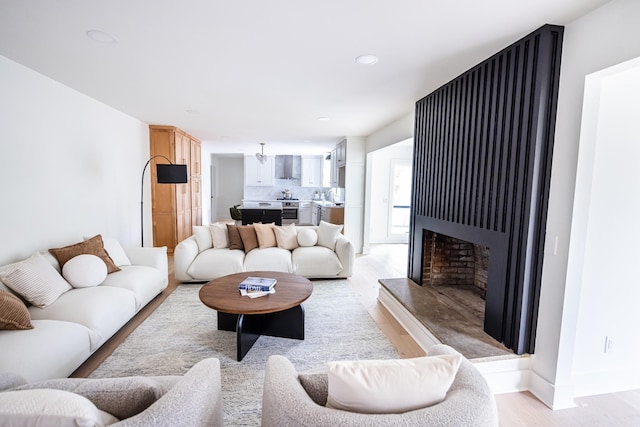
{"x":287,"y":167}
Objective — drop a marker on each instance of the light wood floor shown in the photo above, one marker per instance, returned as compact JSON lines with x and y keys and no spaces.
{"x":389,"y":261}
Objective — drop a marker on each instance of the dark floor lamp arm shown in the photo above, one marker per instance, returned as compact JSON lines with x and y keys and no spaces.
{"x":142,"y":196}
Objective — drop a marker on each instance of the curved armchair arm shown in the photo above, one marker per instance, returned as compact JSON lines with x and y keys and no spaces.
{"x":346,"y":254}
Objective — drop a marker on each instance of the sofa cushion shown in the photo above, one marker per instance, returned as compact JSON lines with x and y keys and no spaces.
{"x":268,"y":259}
{"x":102,"y":309}
{"x":36,"y":280}
{"x":66,"y":346}
{"x":214,"y":263}
{"x":307,"y":237}
{"x":93,"y":246}
{"x":266,"y":235}
{"x":235,"y":241}
{"x":286,"y":236}
{"x":145,"y":282}
{"x":84,"y":271}
{"x":13,"y":313}
{"x":327,"y":234}
{"x":391,"y":386}
{"x":115,"y":251}
{"x":315,"y":261}
{"x":47,"y":407}
{"x":249,"y":237}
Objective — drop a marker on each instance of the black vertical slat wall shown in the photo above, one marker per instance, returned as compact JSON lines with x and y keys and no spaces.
{"x":482,"y":165}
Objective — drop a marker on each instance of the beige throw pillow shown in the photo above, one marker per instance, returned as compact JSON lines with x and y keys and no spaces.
{"x":286,"y":236}
{"x":36,"y":280}
{"x":328,"y":234}
{"x":13,"y":313}
{"x":203,"y":237}
{"x":266,"y":235}
{"x":219,"y":235}
{"x":391,"y":386}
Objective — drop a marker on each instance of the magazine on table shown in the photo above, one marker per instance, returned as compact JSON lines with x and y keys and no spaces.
{"x":256,"y":294}
{"x":257,"y":284}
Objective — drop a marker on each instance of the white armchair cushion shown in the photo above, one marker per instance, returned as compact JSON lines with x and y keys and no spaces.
{"x":36,"y":280}
{"x":83,"y":271}
{"x":45,"y":407}
{"x":391,"y":386}
{"x":328,"y":234}
{"x":315,"y":261}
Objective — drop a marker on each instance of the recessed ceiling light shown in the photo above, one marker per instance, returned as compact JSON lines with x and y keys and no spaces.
{"x":101,"y":37}
{"x":323,"y":119}
{"x":367,"y":59}
{"x":192,"y":111}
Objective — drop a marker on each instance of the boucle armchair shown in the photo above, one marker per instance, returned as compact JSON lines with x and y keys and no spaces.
{"x":191,"y":400}
{"x":469,"y":402}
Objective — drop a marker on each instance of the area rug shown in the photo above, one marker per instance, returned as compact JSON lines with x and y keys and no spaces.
{"x":182,"y":331}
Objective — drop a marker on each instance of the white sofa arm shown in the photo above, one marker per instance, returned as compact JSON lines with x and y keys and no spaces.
{"x":183,"y":256}
{"x":151,"y":257}
{"x":346,"y":253}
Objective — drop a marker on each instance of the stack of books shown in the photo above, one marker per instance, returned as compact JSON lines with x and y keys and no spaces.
{"x":254,"y":287}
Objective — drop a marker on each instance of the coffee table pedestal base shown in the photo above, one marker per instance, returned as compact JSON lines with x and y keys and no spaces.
{"x":248,"y":327}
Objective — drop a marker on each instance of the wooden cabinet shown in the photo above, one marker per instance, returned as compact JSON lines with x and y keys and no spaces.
{"x":259,"y":174}
{"x":175,"y":208}
{"x":332,"y":214}
{"x":311,"y":171}
{"x":341,"y":153}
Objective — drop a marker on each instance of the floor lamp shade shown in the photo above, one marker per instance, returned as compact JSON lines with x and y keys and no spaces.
{"x":171,"y":174}
{"x":165,"y":174}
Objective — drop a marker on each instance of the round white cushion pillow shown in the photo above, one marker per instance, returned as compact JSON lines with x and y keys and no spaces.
{"x":307,"y":237}
{"x":83,"y":271}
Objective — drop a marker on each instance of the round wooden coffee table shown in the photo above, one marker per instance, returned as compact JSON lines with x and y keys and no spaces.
{"x":280,"y":314}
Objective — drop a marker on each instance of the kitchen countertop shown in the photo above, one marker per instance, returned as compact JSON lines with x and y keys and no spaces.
{"x":265,"y":204}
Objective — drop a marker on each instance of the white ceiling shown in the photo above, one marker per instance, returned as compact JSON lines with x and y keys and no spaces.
{"x":265,"y":70}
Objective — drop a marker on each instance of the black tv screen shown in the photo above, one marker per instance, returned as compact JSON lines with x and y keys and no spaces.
{"x":171,"y":174}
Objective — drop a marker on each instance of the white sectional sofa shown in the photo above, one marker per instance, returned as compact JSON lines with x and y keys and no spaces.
{"x":309,"y":251}
{"x":68,"y":330}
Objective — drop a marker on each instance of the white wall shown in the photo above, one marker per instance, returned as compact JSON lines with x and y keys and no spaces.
{"x":603,"y":38}
{"x":71,"y":166}
{"x":229,"y":184}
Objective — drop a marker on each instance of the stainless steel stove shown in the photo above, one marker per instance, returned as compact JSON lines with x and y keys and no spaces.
{"x":290,"y":209}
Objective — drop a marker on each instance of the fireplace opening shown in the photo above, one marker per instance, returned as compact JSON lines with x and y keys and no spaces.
{"x":458,"y":270}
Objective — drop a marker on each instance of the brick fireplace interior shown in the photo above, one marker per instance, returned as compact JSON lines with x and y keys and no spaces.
{"x":456,"y":267}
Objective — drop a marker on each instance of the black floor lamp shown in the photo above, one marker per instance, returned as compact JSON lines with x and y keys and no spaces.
{"x":165,"y":174}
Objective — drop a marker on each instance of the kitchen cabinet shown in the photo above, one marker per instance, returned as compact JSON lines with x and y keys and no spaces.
{"x":341,"y":153}
{"x":265,"y":216}
{"x":304,"y":213}
{"x":311,"y":171}
{"x":333,"y":182}
{"x":315,"y":214}
{"x":259,"y":174}
{"x":332,"y":214}
{"x":174,"y":208}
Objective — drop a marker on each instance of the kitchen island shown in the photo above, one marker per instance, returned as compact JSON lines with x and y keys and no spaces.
{"x":264,"y":212}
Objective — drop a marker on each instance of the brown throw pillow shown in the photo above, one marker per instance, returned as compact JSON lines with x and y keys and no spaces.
{"x":13,"y":313}
{"x":93,"y":246}
{"x":235,"y":241}
{"x":249,"y":237}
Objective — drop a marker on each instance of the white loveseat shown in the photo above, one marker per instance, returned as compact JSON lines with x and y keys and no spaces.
{"x":309,"y":251}
{"x":67,"y":331}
